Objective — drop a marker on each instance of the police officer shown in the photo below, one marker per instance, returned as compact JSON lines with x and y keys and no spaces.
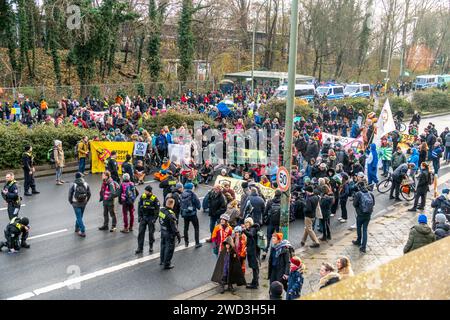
{"x":10,"y":193}
{"x":28,"y":171}
{"x":176,"y":195}
{"x":168,"y":184}
{"x":148,"y":210}
{"x":13,"y":230}
{"x":169,"y":231}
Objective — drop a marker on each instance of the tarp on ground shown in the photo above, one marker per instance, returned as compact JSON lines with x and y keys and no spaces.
{"x":224,"y":108}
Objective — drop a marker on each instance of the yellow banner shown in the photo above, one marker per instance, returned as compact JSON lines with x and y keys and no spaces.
{"x":101,"y":151}
{"x":405,"y":141}
{"x":236,"y":185}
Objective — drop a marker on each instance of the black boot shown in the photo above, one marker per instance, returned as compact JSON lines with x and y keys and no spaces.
{"x":25,"y":245}
{"x":222,"y":288}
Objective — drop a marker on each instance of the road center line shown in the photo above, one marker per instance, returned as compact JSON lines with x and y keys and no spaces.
{"x":47,"y":234}
{"x":92,"y":275}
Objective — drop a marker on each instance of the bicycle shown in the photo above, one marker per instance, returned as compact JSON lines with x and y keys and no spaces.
{"x":399,"y":125}
{"x":407,"y":188}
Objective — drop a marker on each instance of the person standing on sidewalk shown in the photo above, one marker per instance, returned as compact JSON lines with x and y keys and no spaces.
{"x":295,"y":280}
{"x":148,"y":210}
{"x":83,"y":152}
{"x":422,"y":188}
{"x":28,"y":171}
{"x":217,"y":205}
{"x":364,"y":202}
{"x":169,"y":232}
{"x":79,"y":195}
{"x":58,"y":154}
{"x":309,"y":209}
{"x":250,"y":229}
{"x":344,"y":193}
{"x":273,"y":213}
{"x":326,"y":202}
{"x":10,"y":194}
{"x":189,"y":206}
{"x":107,"y":195}
{"x":279,"y":260}
{"x":127,"y":197}
{"x":420,"y":235}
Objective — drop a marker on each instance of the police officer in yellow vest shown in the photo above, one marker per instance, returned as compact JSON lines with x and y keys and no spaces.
{"x":168,"y":185}
{"x":17,"y":226}
{"x":148,"y":210}
{"x":169,"y":231}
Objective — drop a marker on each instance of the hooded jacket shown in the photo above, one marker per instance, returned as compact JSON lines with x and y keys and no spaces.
{"x":235,"y":275}
{"x":442,"y":230}
{"x":420,"y":235}
{"x":414,"y":158}
{"x":279,"y":264}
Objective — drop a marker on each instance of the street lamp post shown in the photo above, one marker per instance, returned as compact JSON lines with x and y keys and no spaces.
{"x":289,"y":123}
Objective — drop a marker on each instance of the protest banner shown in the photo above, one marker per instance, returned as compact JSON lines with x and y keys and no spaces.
{"x":101,"y":151}
{"x":346,"y":142}
{"x":140,"y":149}
{"x":236,"y":185}
{"x":178,"y":152}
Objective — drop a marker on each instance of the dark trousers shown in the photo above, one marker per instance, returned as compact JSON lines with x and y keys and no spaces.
{"x":194,"y":221}
{"x":255,"y":279}
{"x":343,"y":208}
{"x":212,"y":223}
{"x":423,"y":197}
{"x":81,"y":165}
{"x":396,"y":184}
{"x":29,"y":181}
{"x":335,"y":204}
{"x":325,"y":224}
{"x":270,"y":230}
{"x":13,"y":211}
{"x":167,"y":248}
{"x":362,"y":222}
{"x":108,"y":210}
{"x":146,"y":221}
{"x":13,"y":242}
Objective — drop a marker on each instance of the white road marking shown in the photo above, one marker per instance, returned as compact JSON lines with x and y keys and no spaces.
{"x":150,"y":181}
{"x":1,"y":209}
{"x":47,"y":234}
{"x":102,"y":272}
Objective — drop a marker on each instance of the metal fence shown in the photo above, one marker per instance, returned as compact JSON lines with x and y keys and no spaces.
{"x":55,"y":93}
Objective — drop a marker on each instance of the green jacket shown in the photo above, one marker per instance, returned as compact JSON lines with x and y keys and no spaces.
{"x":398,"y":159}
{"x":420,"y":235}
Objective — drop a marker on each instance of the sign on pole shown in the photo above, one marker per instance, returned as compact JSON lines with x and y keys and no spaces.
{"x":283,"y":179}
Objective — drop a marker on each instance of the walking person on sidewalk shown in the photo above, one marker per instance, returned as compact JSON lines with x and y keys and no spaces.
{"x":107,"y":195}
{"x":310,"y":207}
{"x":83,"y":152}
{"x":364,"y":202}
{"x":422,"y":188}
{"x":79,"y":195}
{"x":420,"y":235}
{"x":127,"y":197}
{"x":148,"y":210}
{"x":58,"y":154}
{"x":343,"y":197}
{"x":10,"y":194}
{"x":28,"y":171}
{"x":188,"y":209}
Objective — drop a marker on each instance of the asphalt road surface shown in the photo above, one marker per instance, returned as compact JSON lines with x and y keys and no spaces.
{"x":61,"y":265}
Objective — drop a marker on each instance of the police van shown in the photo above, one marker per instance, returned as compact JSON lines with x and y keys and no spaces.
{"x":426,"y":81}
{"x":303,"y":91}
{"x":444,"y":80}
{"x":357,"y":90}
{"x":331,"y":91}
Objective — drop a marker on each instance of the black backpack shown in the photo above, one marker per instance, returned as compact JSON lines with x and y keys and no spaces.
{"x":81,"y":192}
{"x":275,"y":213}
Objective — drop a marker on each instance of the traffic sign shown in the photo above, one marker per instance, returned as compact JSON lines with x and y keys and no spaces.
{"x":283,"y":179}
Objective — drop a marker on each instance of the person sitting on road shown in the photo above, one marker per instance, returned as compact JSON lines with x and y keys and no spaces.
{"x":442,"y":228}
{"x":328,"y":276}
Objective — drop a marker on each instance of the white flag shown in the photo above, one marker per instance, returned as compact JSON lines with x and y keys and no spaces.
{"x":385,"y":123}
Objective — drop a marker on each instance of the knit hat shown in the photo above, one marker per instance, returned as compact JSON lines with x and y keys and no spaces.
{"x":24,"y":221}
{"x":78,"y":175}
{"x":445,"y":191}
{"x":276,"y":289}
{"x":249,"y":220}
{"x":238,"y":229}
{"x":244,"y":185}
{"x":441,"y":218}
{"x":126,"y":177}
{"x":279,"y":236}
{"x":189,"y":186}
{"x":296,"y":260}
{"x":178,"y":186}
{"x":225,"y":217}
{"x":422,"y":218}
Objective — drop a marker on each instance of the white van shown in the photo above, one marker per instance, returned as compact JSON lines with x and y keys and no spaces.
{"x":356,"y":90}
{"x":304,"y":91}
{"x":426,"y":81}
{"x":331,"y":91}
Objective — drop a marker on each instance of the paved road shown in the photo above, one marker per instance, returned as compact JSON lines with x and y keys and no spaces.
{"x":106,"y":261}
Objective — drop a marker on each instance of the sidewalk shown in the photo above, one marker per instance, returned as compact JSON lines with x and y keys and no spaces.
{"x":387,"y":236}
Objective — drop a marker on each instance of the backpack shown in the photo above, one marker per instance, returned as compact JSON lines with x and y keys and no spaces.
{"x":367,"y":203}
{"x":275,"y":213}
{"x":186,"y":206}
{"x":116,"y":189}
{"x":431,"y":177}
{"x":51,"y":155}
{"x":261,"y":240}
{"x":80,"y":193}
{"x":128,"y":195}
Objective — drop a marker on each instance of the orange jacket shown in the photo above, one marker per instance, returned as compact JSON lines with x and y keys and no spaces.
{"x":219,"y":235}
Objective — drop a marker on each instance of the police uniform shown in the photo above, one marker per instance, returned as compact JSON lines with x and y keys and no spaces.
{"x":168,"y":185}
{"x":28,"y":164}
{"x":12,"y":198}
{"x":148,"y":213}
{"x":12,"y":233}
{"x":169,"y":232}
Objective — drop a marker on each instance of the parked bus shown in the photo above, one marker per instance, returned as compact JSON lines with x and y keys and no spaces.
{"x":356,"y":90}
{"x":331,"y":91}
{"x":303,"y":91}
{"x":426,"y":81}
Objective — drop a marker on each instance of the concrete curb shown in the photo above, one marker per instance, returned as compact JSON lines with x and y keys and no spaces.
{"x":427,"y":116}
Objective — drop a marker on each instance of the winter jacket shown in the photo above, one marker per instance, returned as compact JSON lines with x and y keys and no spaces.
{"x":442,"y":230}
{"x":357,"y":202}
{"x":295,"y":284}
{"x":279,"y":264}
{"x":189,"y":199}
{"x":217,"y":204}
{"x":273,"y":218}
{"x":258,"y":205}
{"x":328,"y":280}
{"x":235,"y":274}
{"x":312,"y":151}
{"x":423,"y":182}
{"x":326,"y":202}
{"x":447,"y":140}
{"x":72,"y":199}
{"x":107,"y":192}
{"x":310,"y":207}
{"x":398,"y":158}
{"x":420,"y":235}
{"x":253,"y":251}
{"x":58,"y":153}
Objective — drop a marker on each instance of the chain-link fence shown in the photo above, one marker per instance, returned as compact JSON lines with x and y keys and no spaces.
{"x":56,"y":93}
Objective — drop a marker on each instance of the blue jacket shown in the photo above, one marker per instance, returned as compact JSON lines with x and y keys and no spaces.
{"x":373,"y":150}
{"x":355,"y":131}
{"x":414,"y":158}
{"x":295,"y":284}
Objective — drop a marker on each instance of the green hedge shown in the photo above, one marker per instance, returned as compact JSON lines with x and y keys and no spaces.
{"x":14,"y":137}
{"x":431,"y":100}
{"x":364,"y":104}
{"x":398,"y":103}
{"x":174,"y":119}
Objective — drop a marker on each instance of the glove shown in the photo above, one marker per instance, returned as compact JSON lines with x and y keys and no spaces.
{"x":178,"y":237}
